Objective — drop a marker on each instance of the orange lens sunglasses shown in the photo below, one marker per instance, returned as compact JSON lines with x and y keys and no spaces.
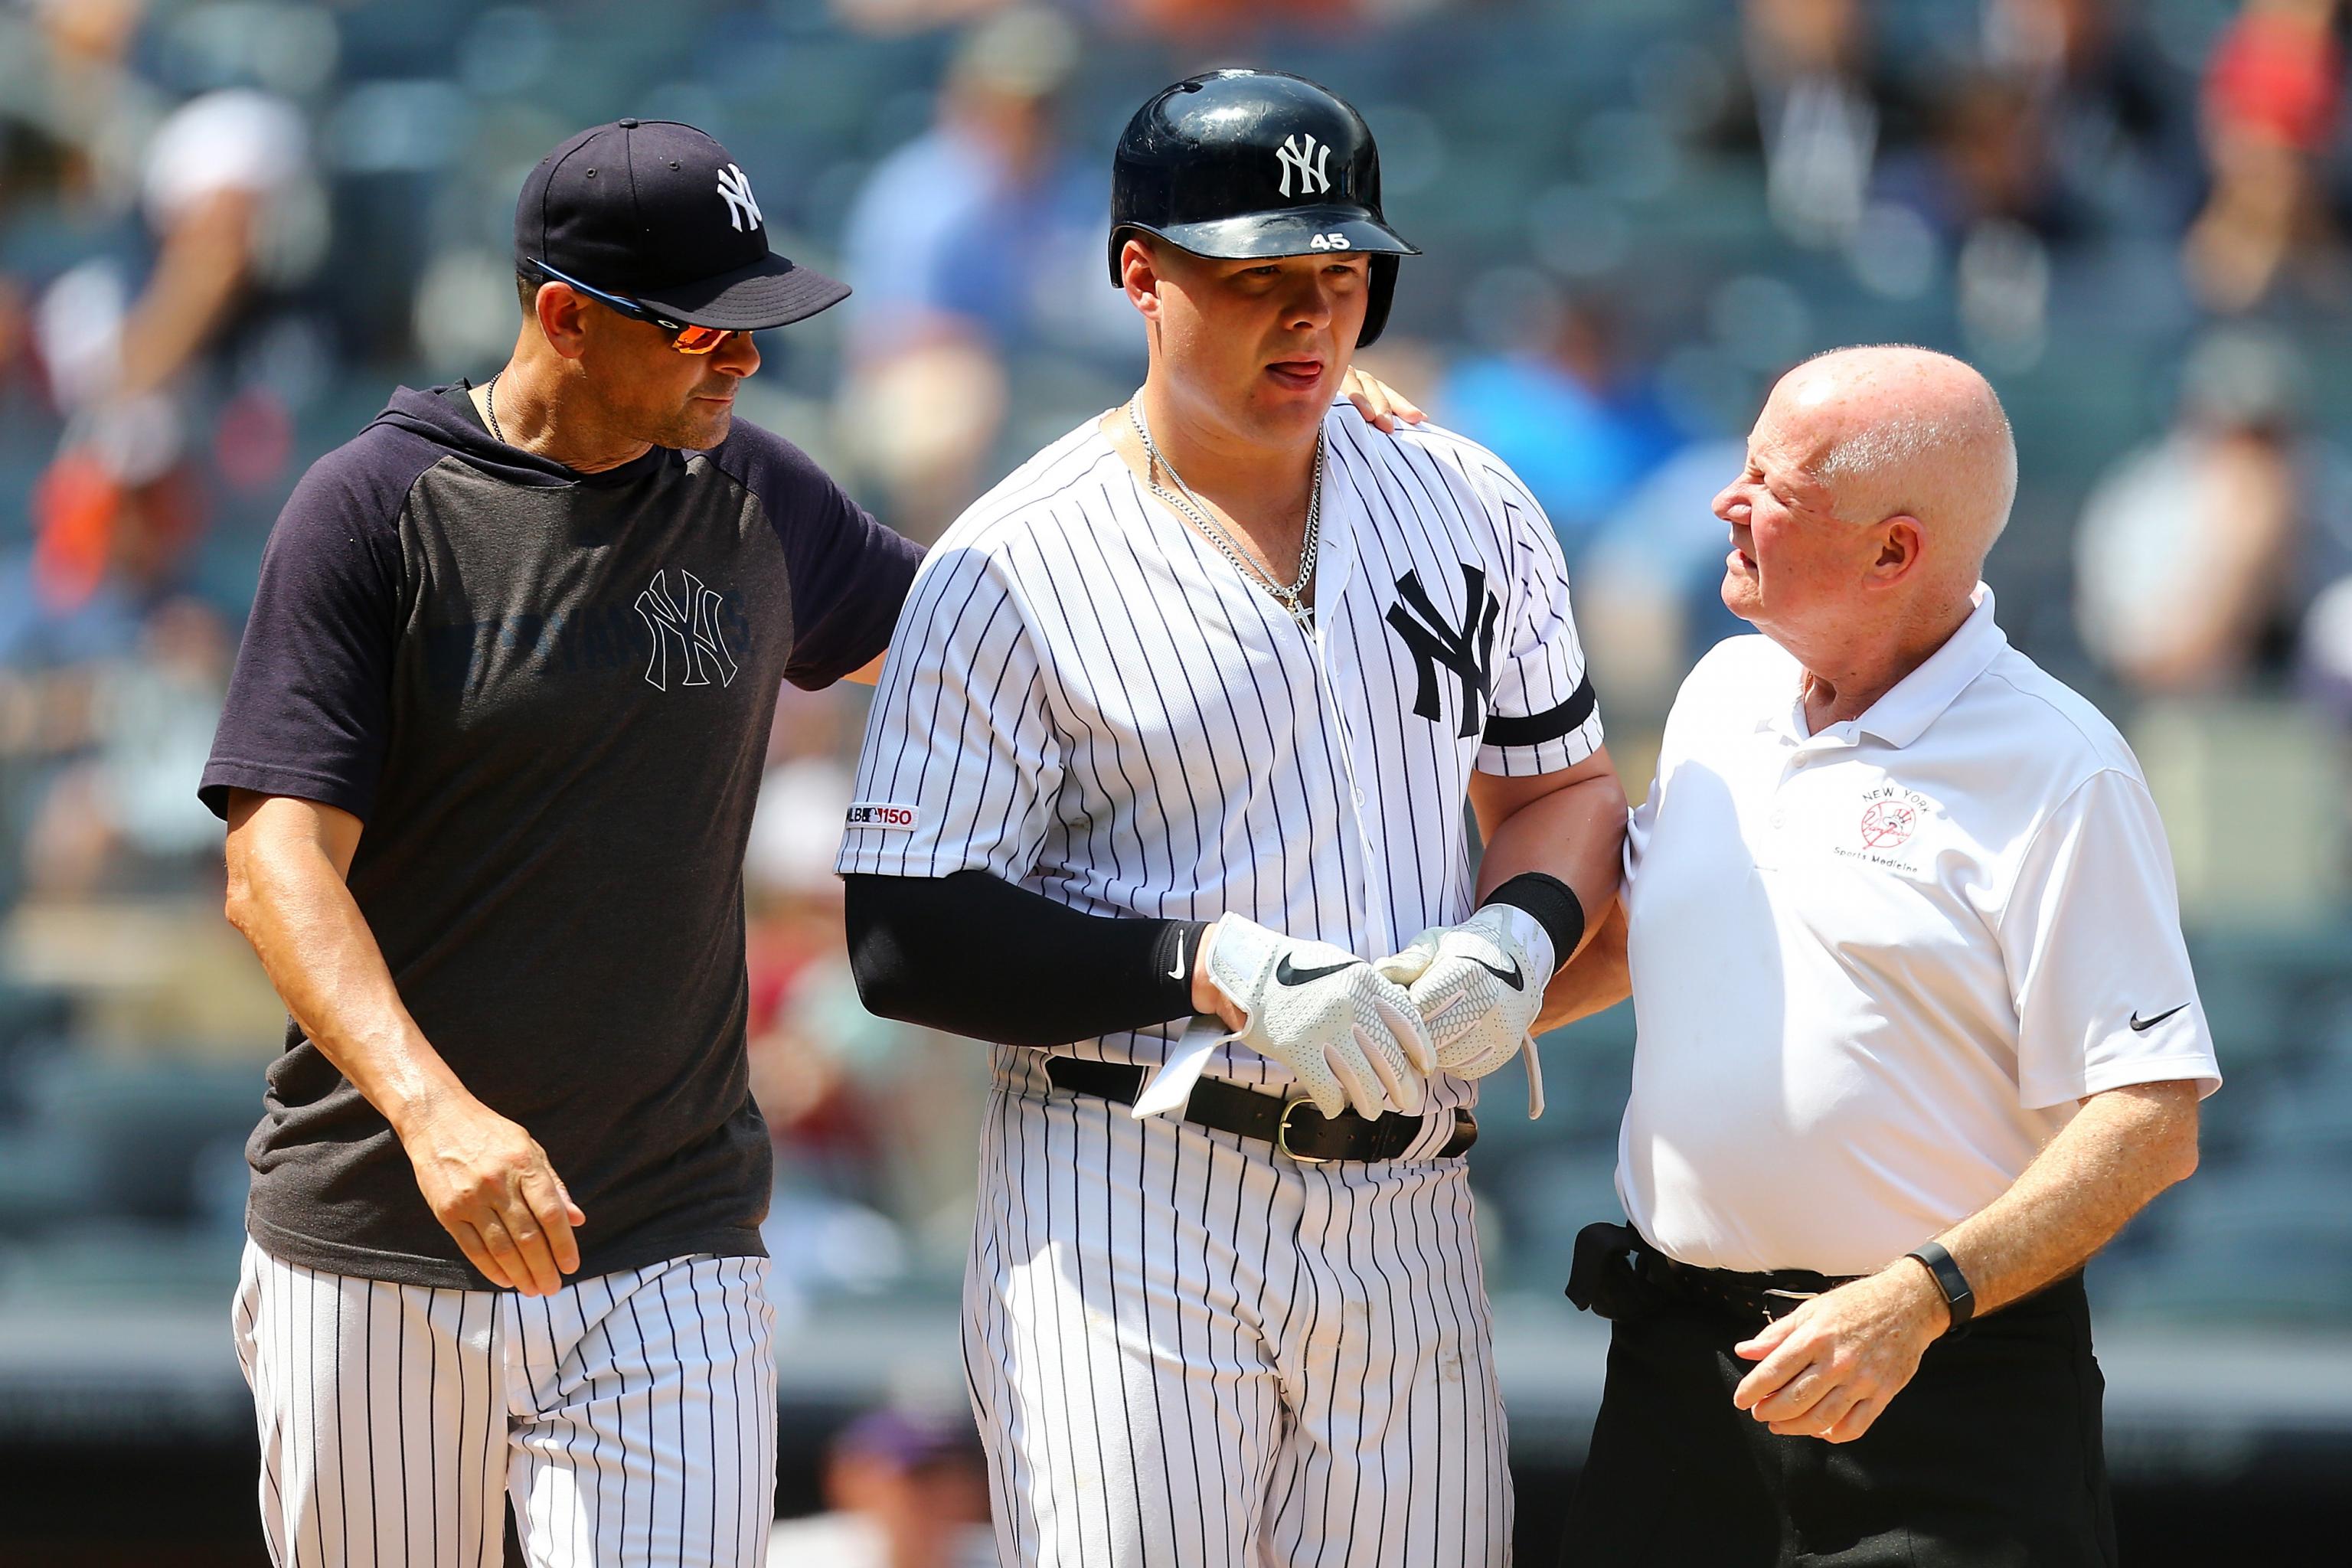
{"x":685,"y":337}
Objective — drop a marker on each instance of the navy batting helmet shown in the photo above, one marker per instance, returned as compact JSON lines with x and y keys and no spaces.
{"x":1241,"y":164}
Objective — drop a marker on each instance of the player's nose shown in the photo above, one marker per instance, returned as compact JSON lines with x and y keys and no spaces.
{"x":1312,"y":303}
{"x":738,"y":356}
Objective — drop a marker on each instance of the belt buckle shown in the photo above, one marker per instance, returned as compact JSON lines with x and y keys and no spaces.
{"x":1282,"y":1133}
{"x":1795,"y":1299}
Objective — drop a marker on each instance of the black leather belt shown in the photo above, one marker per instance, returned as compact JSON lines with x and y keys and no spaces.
{"x":1294,"y":1126}
{"x":1618,"y":1274}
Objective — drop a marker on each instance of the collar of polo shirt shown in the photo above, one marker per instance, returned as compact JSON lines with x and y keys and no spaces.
{"x":1904,"y":713}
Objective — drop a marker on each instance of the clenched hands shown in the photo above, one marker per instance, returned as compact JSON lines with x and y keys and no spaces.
{"x":1829,"y":1368}
{"x":490,"y":1186}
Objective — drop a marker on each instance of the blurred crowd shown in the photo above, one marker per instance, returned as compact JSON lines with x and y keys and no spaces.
{"x":228,"y":227}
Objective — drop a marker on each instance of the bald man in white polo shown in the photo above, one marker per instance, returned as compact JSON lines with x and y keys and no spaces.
{"x":1916,"y":1032}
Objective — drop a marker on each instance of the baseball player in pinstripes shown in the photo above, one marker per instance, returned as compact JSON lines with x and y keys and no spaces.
{"x":1180,"y":720}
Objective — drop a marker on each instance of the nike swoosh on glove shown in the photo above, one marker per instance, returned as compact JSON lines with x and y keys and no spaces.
{"x":1348,"y":1034}
{"x":1478,"y":988}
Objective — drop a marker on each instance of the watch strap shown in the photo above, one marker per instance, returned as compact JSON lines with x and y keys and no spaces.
{"x":1958,"y":1296}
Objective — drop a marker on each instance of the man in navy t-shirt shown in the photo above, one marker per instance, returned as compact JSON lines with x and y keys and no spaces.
{"x":488,"y":763}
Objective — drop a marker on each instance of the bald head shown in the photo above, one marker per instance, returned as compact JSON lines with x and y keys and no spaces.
{"x":1895,"y":430}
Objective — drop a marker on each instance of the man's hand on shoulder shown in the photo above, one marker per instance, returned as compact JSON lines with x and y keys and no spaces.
{"x":1829,"y":1368}
{"x":1349,"y":1036}
{"x":1383,"y":405}
{"x":490,"y":1186}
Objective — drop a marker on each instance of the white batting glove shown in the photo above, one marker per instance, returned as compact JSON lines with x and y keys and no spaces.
{"x":1349,"y":1037}
{"x":1478,"y":988}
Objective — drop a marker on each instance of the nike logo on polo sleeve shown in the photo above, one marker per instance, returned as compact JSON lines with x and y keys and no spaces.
{"x":2141,"y":1026}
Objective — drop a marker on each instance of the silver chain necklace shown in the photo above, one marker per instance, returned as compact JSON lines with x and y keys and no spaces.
{"x":490,"y":407}
{"x":1291,"y":597}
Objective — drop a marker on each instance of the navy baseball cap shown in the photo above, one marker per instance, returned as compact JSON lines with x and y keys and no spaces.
{"x":656,"y":211}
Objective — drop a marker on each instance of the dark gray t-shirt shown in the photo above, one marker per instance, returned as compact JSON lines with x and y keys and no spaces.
{"x":547,"y":695}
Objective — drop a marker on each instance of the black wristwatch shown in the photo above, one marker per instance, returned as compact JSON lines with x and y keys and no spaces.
{"x":1957,"y":1296}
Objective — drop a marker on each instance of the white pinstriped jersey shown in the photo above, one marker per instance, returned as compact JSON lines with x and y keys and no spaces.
{"x":1085,"y":698}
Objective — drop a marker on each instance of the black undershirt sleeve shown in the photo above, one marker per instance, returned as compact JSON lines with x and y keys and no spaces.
{"x":973,"y":955}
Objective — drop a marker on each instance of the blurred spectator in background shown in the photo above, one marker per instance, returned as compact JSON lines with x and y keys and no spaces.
{"x":2106,"y":109}
{"x":119,"y":819}
{"x":2199,"y":555}
{"x":866,"y":1190}
{"x":1650,"y":588}
{"x":1556,"y":397}
{"x":982,"y":237}
{"x":1823,"y":103}
{"x":225,"y":190}
{"x":904,"y":1489}
{"x":2271,"y":104}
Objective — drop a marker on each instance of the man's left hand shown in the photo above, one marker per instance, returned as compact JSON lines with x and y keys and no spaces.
{"x":1829,"y":1368}
{"x":1477,"y":987}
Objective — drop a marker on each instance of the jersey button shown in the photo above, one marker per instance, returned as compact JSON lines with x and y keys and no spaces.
{"x":1359,"y":798}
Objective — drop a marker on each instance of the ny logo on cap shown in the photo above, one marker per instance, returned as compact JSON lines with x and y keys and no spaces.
{"x":741,"y":210}
{"x":1310,"y":161}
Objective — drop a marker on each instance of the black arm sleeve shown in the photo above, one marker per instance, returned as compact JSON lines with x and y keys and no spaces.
{"x":974,"y":954}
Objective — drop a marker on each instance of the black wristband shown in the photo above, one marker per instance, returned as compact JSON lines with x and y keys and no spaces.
{"x":1958,"y":1296}
{"x":1552,"y":902}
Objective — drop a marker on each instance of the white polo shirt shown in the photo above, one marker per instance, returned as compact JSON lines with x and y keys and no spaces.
{"x":1875,"y":969}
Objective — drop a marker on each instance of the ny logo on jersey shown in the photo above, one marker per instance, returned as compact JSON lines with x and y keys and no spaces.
{"x":1309,"y":159}
{"x":735,"y":189}
{"x":1468,"y":651}
{"x":692,"y":624}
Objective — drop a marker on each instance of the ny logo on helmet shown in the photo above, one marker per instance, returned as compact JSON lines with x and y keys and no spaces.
{"x":693,"y":626}
{"x":736,"y":189}
{"x":1468,"y":650}
{"x":1309,"y":159}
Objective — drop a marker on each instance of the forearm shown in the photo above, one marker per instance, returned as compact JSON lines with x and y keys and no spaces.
{"x":1596,"y":979}
{"x":973,"y":955}
{"x":2123,"y":1147}
{"x":316,"y":947}
{"x":1575,"y":833}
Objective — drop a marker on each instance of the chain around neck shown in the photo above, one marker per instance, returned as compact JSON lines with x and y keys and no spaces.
{"x":1292,"y":596}
{"x":490,"y":407}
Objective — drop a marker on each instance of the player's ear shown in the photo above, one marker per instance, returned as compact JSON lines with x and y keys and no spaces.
{"x":1139,"y":272}
{"x":1901,"y":545}
{"x":564,"y":319}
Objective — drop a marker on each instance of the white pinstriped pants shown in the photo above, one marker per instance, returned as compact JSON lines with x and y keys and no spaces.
{"x":632,"y":1418}
{"x":1189,"y":1352}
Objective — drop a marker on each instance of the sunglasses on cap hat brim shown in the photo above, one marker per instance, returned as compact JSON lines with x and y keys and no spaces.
{"x":685,"y":337}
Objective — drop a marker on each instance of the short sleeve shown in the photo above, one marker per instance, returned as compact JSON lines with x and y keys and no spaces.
{"x":849,"y":574}
{"x":1541,"y":715}
{"x":962,"y":762}
{"x":309,"y":703}
{"x":2091,"y":935}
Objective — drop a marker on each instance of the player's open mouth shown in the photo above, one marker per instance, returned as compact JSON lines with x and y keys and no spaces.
{"x":1298,"y":374}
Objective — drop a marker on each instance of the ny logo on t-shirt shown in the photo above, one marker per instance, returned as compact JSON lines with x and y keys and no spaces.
{"x":1468,"y":650}
{"x":691,"y":624}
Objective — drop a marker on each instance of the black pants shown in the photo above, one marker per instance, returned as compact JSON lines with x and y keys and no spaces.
{"x":1989,"y":1457}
